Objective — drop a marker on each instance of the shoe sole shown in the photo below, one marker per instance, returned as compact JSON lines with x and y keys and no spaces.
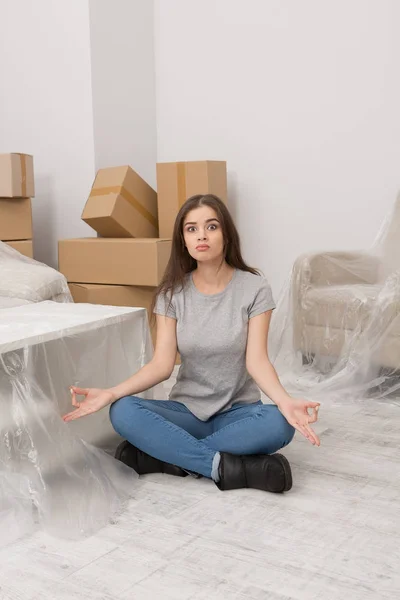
{"x":287,"y":470}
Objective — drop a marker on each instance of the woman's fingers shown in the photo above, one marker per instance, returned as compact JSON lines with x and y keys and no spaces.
{"x":71,"y":416}
{"x":313,"y":417}
{"x":304,"y":432}
{"x":313,"y":435}
{"x":76,"y":414}
{"x":309,"y":434}
{"x":79,"y":391}
{"x":74,"y":400}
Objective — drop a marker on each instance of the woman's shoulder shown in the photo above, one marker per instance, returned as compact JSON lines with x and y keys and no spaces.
{"x":252,"y":281}
{"x":178,"y":290}
{"x":257,"y":293}
{"x":168,"y":300}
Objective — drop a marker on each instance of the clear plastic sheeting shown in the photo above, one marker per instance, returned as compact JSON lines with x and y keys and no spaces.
{"x":24,"y":280}
{"x":54,"y":475}
{"x":336,"y":331}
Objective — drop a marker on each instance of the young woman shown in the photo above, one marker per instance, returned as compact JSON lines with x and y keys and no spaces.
{"x":216,"y":310}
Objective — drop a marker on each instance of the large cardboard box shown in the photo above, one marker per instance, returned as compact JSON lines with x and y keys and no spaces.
{"x":117,"y":295}
{"x":118,"y":261}
{"x":15,"y":219}
{"x":113,"y":295}
{"x":177,"y":181}
{"x":16,"y":176}
{"x":25,"y":247}
{"x":121,"y":204}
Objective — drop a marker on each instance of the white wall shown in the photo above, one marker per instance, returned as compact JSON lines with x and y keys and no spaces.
{"x":46,"y":110}
{"x":302,"y":99}
{"x":124,"y":106}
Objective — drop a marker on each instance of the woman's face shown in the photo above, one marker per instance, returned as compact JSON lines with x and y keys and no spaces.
{"x":203,"y":234}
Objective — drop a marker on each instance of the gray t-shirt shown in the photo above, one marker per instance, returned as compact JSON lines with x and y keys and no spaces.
{"x":212,"y":338}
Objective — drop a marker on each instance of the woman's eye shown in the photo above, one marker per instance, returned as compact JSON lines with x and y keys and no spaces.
{"x":192,"y":228}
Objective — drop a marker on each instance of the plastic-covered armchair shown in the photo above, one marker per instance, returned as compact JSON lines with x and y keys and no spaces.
{"x":350,"y":301}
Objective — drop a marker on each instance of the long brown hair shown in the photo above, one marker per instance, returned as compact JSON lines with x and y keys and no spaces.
{"x":181,"y":263}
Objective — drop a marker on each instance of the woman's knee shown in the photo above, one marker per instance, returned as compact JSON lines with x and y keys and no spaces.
{"x":279,"y":427}
{"x":121,"y":411}
{"x":288,"y":432}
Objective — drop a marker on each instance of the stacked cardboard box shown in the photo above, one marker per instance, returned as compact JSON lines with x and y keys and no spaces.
{"x":124,"y":266}
{"x":121,"y":204}
{"x":16,"y":190}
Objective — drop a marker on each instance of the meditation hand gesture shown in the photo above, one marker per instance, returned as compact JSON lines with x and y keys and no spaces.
{"x":295,"y":410}
{"x":95,"y":399}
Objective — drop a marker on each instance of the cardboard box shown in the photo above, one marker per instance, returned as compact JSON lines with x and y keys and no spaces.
{"x":121,"y":204}
{"x":118,"y":261}
{"x":25,"y":247}
{"x":114,"y":295}
{"x":117,"y":295}
{"x":177,"y":181}
{"x":15,"y":219}
{"x":16,"y":176}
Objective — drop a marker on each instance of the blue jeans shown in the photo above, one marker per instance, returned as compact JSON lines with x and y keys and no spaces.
{"x":168,"y":431}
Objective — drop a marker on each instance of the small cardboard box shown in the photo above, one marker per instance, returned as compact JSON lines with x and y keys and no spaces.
{"x":117,"y":261}
{"x":117,"y":295}
{"x":15,"y":219}
{"x":16,"y":176}
{"x":177,"y":181}
{"x":121,"y":204}
{"x":25,"y":247}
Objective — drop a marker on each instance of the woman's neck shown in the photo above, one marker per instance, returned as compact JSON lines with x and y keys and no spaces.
{"x":212,"y":277}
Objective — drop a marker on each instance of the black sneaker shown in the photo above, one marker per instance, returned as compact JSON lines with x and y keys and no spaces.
{"x":143,"y":463}
{"x":267,"y":472}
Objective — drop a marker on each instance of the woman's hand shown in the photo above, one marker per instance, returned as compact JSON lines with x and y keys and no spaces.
{"x":95,"y":399}
{"x":295,"y":410}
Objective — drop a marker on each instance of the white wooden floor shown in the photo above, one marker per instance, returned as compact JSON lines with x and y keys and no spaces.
{"x":335,"y":535}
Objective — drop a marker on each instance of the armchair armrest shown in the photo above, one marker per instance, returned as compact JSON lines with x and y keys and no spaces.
{"x":338,"y":268}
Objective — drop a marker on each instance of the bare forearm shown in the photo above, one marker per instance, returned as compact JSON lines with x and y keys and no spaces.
{"x":267,"y":380}
{"x":147,"y":377}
